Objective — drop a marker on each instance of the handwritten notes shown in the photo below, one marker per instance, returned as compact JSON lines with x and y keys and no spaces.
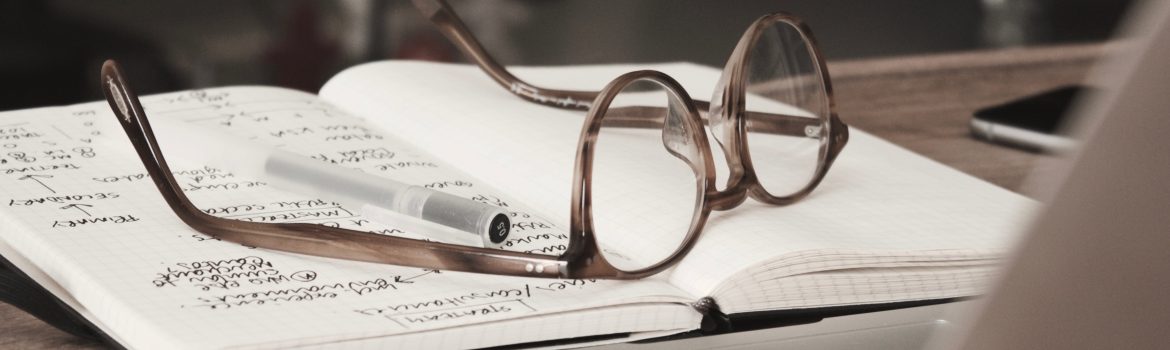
{"x":89,"y":213}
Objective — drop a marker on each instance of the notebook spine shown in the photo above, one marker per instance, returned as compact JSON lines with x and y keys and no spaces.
{"x":18,"y":290}
{"x":714,"y":320}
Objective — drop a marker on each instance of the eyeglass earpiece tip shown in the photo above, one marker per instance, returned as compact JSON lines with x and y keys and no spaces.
{"x":110,"y":68}
{"x":429,"y":7}
{"x":112,"y":81}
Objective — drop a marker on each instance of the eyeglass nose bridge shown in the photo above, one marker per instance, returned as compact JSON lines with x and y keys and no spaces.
{"x":729,"y":198}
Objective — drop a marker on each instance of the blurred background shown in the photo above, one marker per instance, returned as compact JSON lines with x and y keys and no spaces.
{"x":50,"y":51}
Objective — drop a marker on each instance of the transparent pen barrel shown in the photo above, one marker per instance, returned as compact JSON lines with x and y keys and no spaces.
{"x":350,"y":187}
{"x":354,"y":188}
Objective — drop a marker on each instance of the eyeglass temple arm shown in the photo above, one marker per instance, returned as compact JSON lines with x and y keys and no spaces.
{"x":653,"y":117}
{"x":439,"y":13}
{"x":303,"y":238}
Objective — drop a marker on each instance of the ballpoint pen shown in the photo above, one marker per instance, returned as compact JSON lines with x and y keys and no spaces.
{"x":380,"y":199}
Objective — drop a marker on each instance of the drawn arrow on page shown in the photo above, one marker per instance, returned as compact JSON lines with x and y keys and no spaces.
{"x":78,"y":207}
{"x":407,"y":280}
{"x":35,"y":178}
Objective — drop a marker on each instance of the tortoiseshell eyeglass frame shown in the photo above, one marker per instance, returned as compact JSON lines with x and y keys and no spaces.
{"x":742,"y":178}
{"x":582,"y":258}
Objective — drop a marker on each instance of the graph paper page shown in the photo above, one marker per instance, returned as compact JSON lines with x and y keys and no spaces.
{"x":878,"y":205}
{"x":78,"y":203}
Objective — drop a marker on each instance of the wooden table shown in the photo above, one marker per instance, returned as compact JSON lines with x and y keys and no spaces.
{"x":922,"y":103}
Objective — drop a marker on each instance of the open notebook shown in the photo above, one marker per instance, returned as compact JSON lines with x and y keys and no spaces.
{"x":79,"y":212}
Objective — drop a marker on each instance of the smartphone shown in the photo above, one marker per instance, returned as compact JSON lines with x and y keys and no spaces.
{"x":1031,"y":122}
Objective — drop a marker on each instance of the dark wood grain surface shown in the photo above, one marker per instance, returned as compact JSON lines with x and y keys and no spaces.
{"x":922,"y":103}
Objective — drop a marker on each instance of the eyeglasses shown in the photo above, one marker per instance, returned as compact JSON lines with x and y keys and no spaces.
{"x":772,"y":114}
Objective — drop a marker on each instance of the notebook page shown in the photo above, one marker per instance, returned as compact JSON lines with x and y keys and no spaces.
{"x":80,"y":207}
{"x":624,"y":323}
{"x":43,"y":279}
{"x":878,"y":200}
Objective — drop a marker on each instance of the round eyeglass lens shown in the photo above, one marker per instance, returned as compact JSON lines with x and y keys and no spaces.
{"x":645,"y":189}
{"x":786,"y":110}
